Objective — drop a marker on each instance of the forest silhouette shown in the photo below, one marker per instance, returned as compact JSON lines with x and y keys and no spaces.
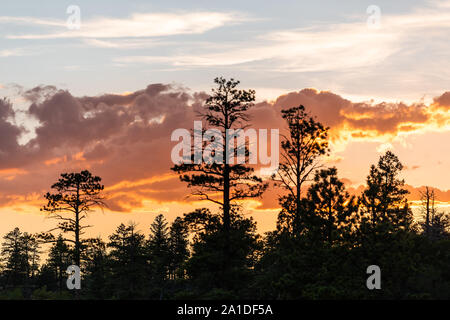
{"x":323,"y":243}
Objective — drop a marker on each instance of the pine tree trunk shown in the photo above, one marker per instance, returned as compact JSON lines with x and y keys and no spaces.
{"x":77,"y":229}
{"x":298,"y":212}
{"x":427,"y":220}
{"x":226,"y":199}
{"x":226,"y":182}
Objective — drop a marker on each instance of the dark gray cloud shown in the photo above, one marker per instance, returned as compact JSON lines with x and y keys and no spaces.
{"x":127,"y":137}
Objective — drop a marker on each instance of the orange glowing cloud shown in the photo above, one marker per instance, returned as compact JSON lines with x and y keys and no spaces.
{"x":10,"y":174}
{"x":125,"y":138}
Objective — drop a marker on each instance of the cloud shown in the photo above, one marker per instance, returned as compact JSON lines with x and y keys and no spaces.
{"x":303,"y":50}
{"x":381,"y":122}
{"x":12,"y":52}
{"x":118,"y":136}
{"x":123,"y":43}
{"x":414,"y":167}
{"x":442,"y":101}
{"x":415,"y":193}
{"x":341,"y":46}
{"x":137,"y":25}
{"x":31,"y":21}
{"x":125,"y":138}
{"x":9,"y":133}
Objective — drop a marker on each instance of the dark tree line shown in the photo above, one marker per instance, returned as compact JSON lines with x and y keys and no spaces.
{"x":324,"y":239}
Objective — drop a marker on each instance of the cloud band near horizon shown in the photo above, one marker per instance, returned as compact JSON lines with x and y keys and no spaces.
{"x":125,"y":138}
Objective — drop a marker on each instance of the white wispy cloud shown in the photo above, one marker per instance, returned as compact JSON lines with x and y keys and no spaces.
{"x":12,"y":52}
{"x":123,"y":43}
{"x":324,"y":48}
{"x":32,"y":21}
{"x":137,"y":25}
{"x":343,"y":46}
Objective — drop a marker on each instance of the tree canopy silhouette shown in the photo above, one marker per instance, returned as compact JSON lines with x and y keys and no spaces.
{"x":225,"y":109}
{"x":302,"y":146}
{"x":75,"y":195}
{"x":384,"y":201}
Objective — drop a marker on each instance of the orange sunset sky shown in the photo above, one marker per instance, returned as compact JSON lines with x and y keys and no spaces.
{"x":125,"y":139}
{"x":107,"y":99}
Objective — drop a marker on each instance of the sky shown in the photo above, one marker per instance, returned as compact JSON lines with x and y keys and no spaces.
{"x":105,"y":91}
